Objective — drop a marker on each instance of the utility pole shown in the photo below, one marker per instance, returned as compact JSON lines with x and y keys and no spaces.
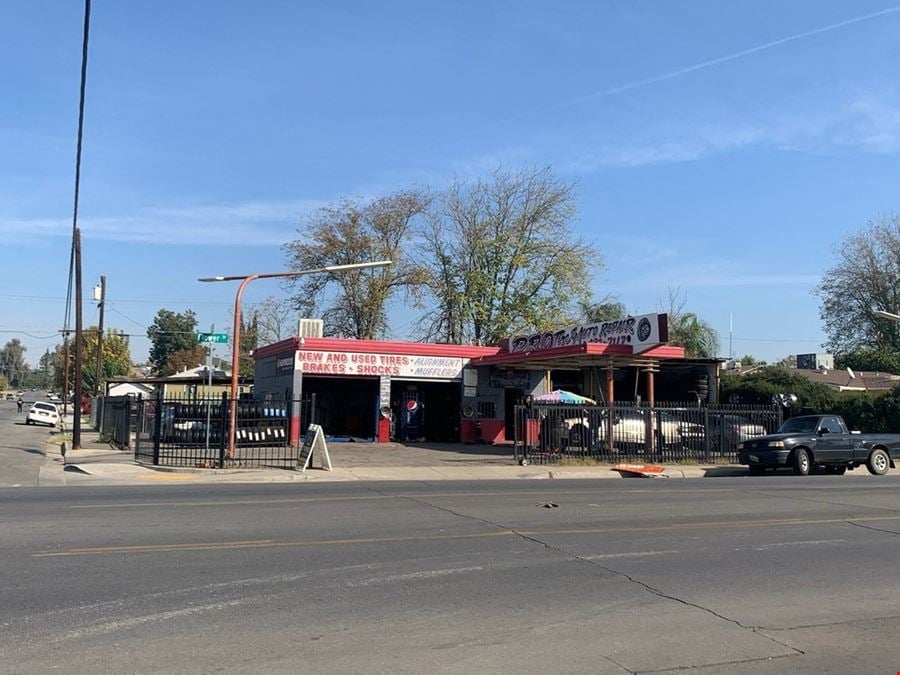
{"x":99,"y":370}
{"x":79,"y":346}
{"x":65,"y":391}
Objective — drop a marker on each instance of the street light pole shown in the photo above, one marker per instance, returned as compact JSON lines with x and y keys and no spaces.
{"x":245,"y":280}
{"x":886,"y":315}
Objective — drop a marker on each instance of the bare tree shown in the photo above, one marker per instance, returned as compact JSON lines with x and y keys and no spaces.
{"x":605,"y":309}
{"x":698,"y":338}
{"x":865,"y":278}
{"x":276,"y":319}
{"x":502,"y":258}
{"x":353,"y":303}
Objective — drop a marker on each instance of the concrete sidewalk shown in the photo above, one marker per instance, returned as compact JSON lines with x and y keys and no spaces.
{"x":97,"y":461}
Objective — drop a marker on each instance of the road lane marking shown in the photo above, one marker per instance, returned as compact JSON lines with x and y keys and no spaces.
{"x":139,"y":548}
{"x":271,"y":543}
{"x":225,"y":545}
{"x":635,"y":554}
{"x":780,"y":544}
{"x":131,"y":622}
{"x":307,"y":500}
{"x":414,"y":576}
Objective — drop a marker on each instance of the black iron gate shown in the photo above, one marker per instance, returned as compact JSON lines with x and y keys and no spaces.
{"x":194,"y":432}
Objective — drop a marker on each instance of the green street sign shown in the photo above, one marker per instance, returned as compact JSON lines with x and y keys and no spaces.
{"x":221,"y":338}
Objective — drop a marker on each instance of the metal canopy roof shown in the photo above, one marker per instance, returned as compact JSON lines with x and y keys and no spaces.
{"x":586,"y":355}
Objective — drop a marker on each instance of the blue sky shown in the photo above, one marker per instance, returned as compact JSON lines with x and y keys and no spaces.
{"x":720,"y":148}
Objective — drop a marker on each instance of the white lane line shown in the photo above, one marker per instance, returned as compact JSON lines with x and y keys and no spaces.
{"x":413,"y":576}
{"x":811,"y":542}
{"x":124,"y":624}
{"x":634,"y":554}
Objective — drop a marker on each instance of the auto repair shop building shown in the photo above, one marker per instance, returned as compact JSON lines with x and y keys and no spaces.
{"x":413,"y":391}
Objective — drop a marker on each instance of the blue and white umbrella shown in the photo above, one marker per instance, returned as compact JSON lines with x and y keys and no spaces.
{"x":565,"y":397}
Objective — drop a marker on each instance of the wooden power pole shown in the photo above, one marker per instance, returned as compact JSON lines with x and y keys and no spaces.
{"x":79,"y":346}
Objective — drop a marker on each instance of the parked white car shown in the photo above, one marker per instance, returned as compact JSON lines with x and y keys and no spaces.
{"x":42,"y":413}
{"x":630,"y":429}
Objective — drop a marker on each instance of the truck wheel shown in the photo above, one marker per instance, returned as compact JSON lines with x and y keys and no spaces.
{"x":878,"y":462}
{"x":802,"y":463}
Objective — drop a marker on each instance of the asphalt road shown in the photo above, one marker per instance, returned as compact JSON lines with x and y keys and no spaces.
{"x":22,"y":448}
{"x":765,"y":575}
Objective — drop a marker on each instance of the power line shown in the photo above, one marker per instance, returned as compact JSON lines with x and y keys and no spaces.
{"x":125,"y":316}
{"x":135,"y":301}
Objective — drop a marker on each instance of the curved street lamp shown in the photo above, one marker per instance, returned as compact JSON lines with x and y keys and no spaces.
{"x":886,"y":315}
{"x":245,"y":279}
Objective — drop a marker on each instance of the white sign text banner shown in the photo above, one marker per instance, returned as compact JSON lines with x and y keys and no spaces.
{"x":394,"y":365}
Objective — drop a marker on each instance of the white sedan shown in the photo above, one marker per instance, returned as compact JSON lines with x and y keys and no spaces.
{"x":42,"y":413}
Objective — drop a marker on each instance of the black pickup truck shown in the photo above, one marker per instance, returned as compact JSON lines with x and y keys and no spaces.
{"x":819,"y":441}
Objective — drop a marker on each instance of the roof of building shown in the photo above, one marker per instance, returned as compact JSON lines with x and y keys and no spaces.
{"x":842,"y":380}
{"x":374,"y":347}
{"x":580,"y":355}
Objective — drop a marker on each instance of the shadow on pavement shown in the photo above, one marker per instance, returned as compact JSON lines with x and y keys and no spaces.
{"x":725,"y":472}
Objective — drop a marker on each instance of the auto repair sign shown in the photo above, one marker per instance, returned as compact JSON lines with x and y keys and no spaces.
{"x":640,"y":332}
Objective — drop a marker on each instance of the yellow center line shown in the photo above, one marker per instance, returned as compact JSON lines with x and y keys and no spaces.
{"x":271,"y":543}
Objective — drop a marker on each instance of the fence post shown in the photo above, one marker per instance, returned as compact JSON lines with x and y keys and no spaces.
{"x":223,"y":418}
{"x":101,"y":412}
{"x":138,"y":426}
{"x":706,"y":433}
{"x":157,"y":426}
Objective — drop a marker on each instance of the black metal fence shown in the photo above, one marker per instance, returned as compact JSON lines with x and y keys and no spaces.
{"x":194,"y":432}
{"x":113,"y":417}
{"x":547,"y":433}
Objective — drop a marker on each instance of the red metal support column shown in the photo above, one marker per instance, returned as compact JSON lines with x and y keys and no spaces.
{"x":650,"y":441}
{"x":610,"y":413}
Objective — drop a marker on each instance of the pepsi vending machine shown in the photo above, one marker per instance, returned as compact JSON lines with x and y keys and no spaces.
{"x":412,"y":426}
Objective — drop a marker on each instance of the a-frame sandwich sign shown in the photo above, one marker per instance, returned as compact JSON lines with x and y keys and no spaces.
{"x":314,"y":446}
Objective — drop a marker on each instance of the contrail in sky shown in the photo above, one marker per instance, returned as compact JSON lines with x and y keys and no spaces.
{"x":731,"y":57}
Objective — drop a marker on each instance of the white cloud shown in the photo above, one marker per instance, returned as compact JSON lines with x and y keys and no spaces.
{"x":247,"y":224}
{"x":864,"y":122}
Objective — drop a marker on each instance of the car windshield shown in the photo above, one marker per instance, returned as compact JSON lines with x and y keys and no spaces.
{"x":45,"y":406}
{"x":802,"y":425}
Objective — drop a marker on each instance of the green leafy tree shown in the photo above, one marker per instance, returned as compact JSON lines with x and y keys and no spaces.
{"x":4,"y":383}
{"x":869,"y":411}
{"x":865,"y":278}
{"x":12,"y":363}
{"x":169,"y":333}
{"x":184,"y":359}
{"x":759,"y":386}
{"x":249,"y":343}
{"x":884,"y":360}
{"x":45,"y":364}
{"x":602,"y":310}
{"x":698,"y":338}
{"x":502,"y":258}
{"x":114,"y":362}
{"x":748,"y":360}
{"x":354,"y":303}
